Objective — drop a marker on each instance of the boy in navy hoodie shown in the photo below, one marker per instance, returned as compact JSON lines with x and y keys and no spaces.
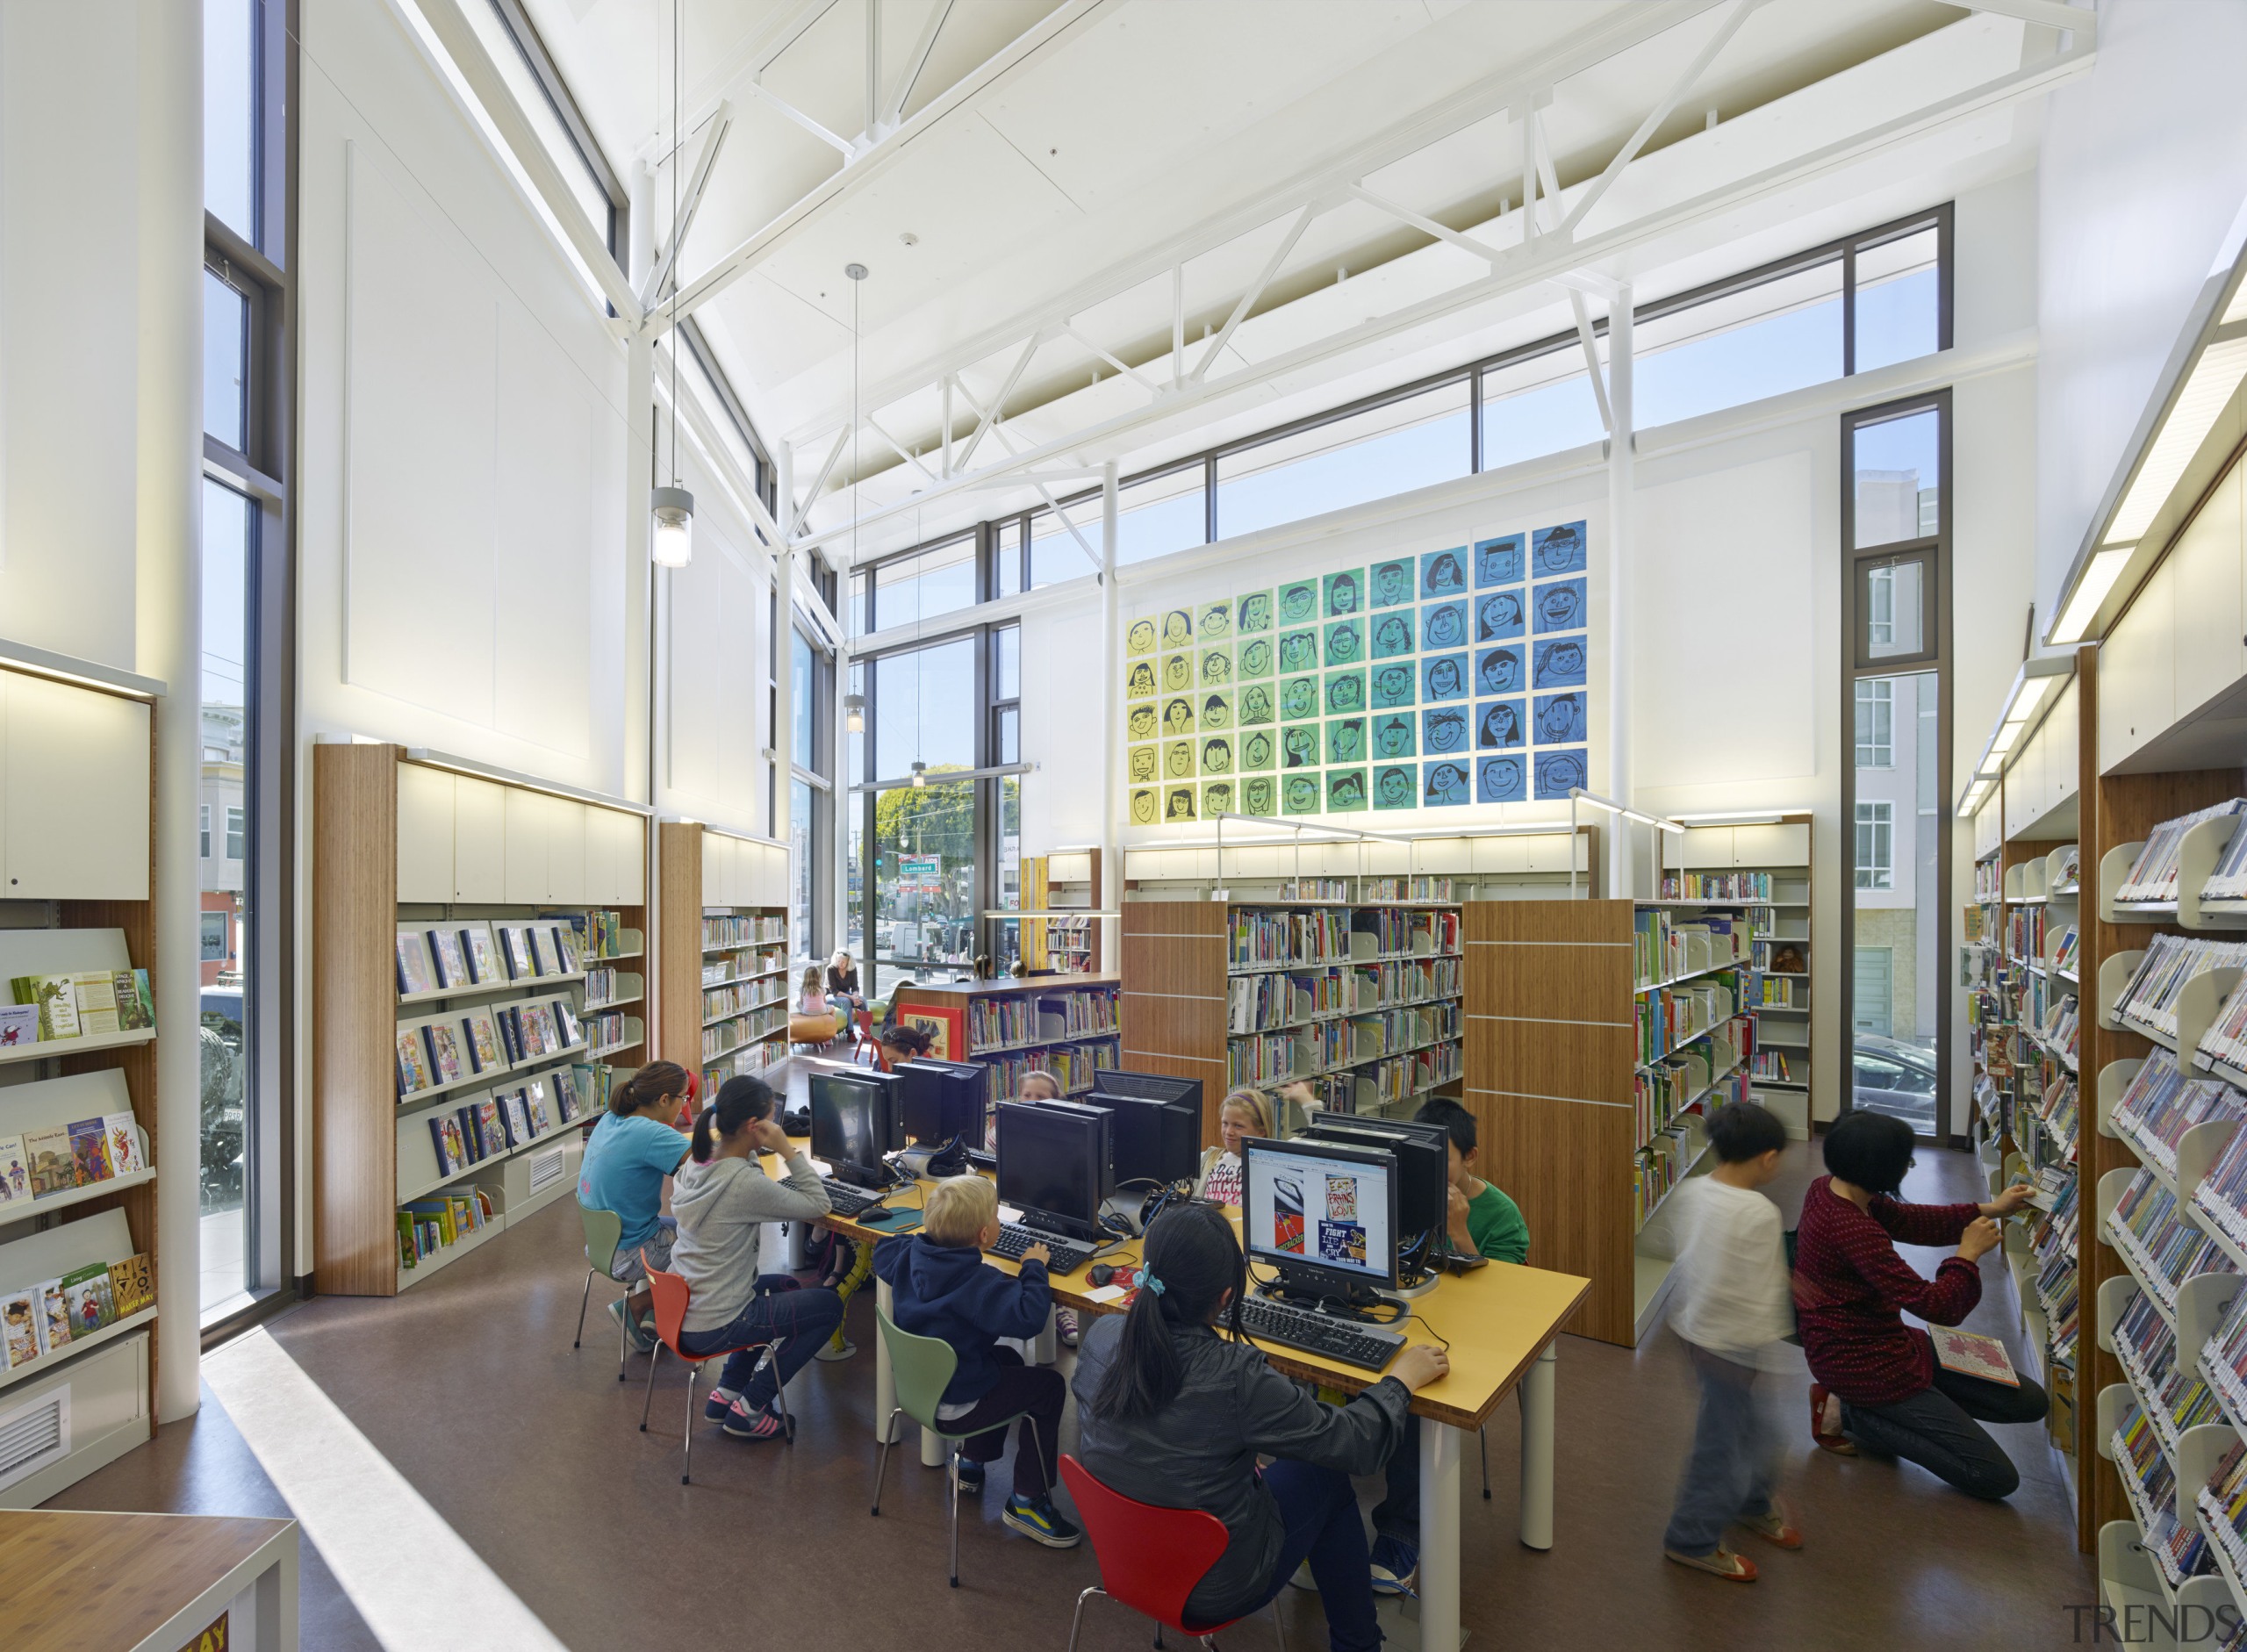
{"x":942,"y":1289}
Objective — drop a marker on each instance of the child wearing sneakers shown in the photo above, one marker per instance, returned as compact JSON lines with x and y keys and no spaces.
{"x":723,"y":1199}
{"x":1734,"y":1303}
{"x":942,"y":1289}
{"x":633,"y":1148}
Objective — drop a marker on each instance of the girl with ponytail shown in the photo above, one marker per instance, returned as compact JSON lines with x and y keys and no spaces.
{"x":1175,"y":1413}
{"x":632,"y":1149}
{"x":723,"y":1199}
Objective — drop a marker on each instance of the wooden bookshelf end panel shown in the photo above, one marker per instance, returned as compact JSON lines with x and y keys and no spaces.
{"x":1547,"y":981}
{"x":1567,"y":1165}
{"x":679,"y":991}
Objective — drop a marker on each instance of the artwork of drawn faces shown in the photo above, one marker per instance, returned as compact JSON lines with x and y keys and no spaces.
{"x":1499,"y":726}
{"x":1498,"y":672}
{"x":1259,"y":795}
{"x":1217,"y":798}
{"x":1299,"y":698}
{"x":1345,"y":692}
{"x":1559,"y":605}
{"x":1255,"y":703}
{"x":1145,"y":806}
{"x":1139,"y":681}
{"x":1178,"y":760}
{"x":1559,"y":663}
{"x":1344,"y":593}
{"x":1299,"y":794}
{"x":1141,"y":638}
{"x":1501,"y":780}
{"x":1557,"y":549}
{"x":1392,"y":736}
{"x":1217,"y":711}
{"x":1255,"y":612}
{"x":1444,"y":730}
{"x":1258,"y":750}
{"x":1392,"y":635}
{"x":1443,"y":573}
{"x":1216,"y":756}
{"x":1557,"y":771}
{"x":1392,"y":584}
{"x":1498,"y":614}
{"x":1444,"y":678}
{"x":1392,"y":786}
{"x":1256,"y":657}
{"x":1392,"y":685}
{"x":1299,"y":747}
{"x":1346,"y":791}
{"x":1443,"y":625}
{"x":1180,"y":804}
{"x":1559,"y":719}
{"x":1298,"y":602}
{"x":1177,"y":629}
{"x":1445,"y":782}
{"x":1346,"y":642}
{"x":1177,"y":672}
{"x":1140,"y":725}
{"x":1178,"y":715}
{"x":1142,"y":761}
{"x":1216,"y":621}
{"x":1217,"y":667}
{"x":1298,"y":651}
{"x":1497,"y":562}
{"x":1345,"y":740}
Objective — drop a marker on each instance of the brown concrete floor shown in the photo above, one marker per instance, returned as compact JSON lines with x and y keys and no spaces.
{"x":532,"y":1452}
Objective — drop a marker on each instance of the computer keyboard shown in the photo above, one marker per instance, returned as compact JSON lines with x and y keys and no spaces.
{"x":1369,"y":1348}
{"x":847,"y":1199}
{"x":1014,"y":1240}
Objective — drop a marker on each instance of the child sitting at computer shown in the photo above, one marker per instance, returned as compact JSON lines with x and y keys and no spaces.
{"x":1244,"y":1113}
{"x":1481,"y":1221}
{"x":632,"y":1149}
{"x":943,"y":1289}
{"x":1174,"y":1414}
{"x":723,"y":1199}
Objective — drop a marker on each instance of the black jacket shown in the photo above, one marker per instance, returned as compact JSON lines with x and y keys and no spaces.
{"x":1201,"y":1452}
{"x":945,"y":1291}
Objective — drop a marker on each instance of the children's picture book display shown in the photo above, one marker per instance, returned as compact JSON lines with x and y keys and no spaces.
{"x":87,"y":1004}
{"x":40,"y":1320}
{"x":36,"y":1164}
{"x":1419,"y":681}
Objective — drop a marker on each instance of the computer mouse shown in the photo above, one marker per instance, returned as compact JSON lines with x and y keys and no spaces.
{"x":1101,"y":1274}
{"x":875,"y":1215}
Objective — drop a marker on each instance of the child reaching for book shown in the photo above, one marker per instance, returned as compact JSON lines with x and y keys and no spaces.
{"x":1732,"y":1310}
{"x":632,"y":1149}
{"x":943,"y":1289}
{"x":724,"y":1199}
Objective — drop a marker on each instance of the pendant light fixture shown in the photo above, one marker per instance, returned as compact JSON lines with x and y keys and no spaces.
{"x":672,"y":545}
{"x":854,"y":708}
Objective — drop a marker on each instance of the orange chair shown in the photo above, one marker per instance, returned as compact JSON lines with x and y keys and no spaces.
{"x":862,"y":1023}
{"x":670,"y":1294}
{"x":1149,"y":1558}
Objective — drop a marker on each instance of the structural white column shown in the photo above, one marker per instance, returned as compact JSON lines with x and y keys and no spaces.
{"x":1621,"y":482}
{"x":1111,"y":768}
{"x":167,"y":641}
{"x":783,"y":723}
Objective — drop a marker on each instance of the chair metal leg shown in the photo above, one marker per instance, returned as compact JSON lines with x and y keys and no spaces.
{"x":1483,"y":1435}
{"x":1076,"y":1623}
{"x":1280,"y":1625}
{"x":624,"y":1338}
{"x":584,"y":1301}
{"x":954,"y":1487}
{"x":881,"y":1463}
{"x":687,"y":1469}
{"x":654,"y":1360}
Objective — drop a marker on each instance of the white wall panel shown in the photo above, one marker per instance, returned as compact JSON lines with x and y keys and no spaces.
{"x":2204,"y":565}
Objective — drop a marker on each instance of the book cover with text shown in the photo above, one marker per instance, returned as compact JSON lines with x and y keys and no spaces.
{"x":57,"y":1003}
{"x":90,"y":1160}
{"x":94,"y":992}
{"x":124,"y":1144}
{"x":15,"y":1171}
{"x":48,"y":1153}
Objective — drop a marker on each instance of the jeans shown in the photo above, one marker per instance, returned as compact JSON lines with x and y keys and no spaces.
{"x":1020,"y":1388}
{"x":806,"y":1317}
{"x":1397,"y":1515}
{"x":1320,"y":1509}
{"x":1733,"y":1461}
{"x":1939,"y":1428}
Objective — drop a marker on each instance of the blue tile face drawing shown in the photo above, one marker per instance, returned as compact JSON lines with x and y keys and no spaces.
{"x":1392,"y":736}
{"x":1559,"y":605}
{"x":1501,"y":780}
{"x":1559,"y":719}
{"x":1497,"y":670}
{"x":1559,"y":663}
{"x":1444,"y":679}
{"x":1392,"y":635}
{"x":1443,"y":625}
{"x":1392,"y":584}
{"x":1346,"y":642}
{"x":1557,"y":549}
{"x":1345,"y":593}
{"x":1443,"y":783}
{"x":1498,"y":615}
{"x":1443,"y":573}
{"x":1497,"y":562}
{"x":1392,"y":684}
{"x":1444,"y":728}
{"x":1498,"y":725}
{"x":1393,"y":787}
{"x":1558,"y":771}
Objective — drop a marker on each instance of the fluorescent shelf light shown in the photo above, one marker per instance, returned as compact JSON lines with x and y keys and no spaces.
{"x":1577,"y":794}
{"x":2001,"y":742}
{"x":2214,"y":377}
{"x":2090,"y":592}
{"x":1734,"y":818}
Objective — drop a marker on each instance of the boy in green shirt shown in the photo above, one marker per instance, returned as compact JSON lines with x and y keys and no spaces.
{"x":1483,"y":1221}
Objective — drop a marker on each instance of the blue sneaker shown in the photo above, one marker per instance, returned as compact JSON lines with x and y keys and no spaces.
{"x":1395,"y":1566}
{"x":641,"y":1333}
{"x":971,"y":1477}
{"x":719,"y":1405}
{"x":1041,"y":1523}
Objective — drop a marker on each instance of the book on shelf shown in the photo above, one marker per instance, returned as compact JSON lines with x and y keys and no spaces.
{"x":483,"y":964}
{"x":2149,"y":1001}
{"x":92,"y":1003}
{"x":541,"y":1115}
{"x":15,"y":1171}
{"x":447,"y":1064}
{"x":451,"y":961}
{"x":2153,"y":876}
{"x":451,"y":1144}
{"x":42,"y":1318}
{"x":426,"y":1226}
{"x":1717,"y":886}
{"x":47,"y":1151}
{"x":1972,"y":1355}
{"x":414,"y":974}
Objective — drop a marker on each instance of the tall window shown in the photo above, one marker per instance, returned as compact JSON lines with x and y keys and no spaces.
{"x":1876,"y":723}
{"x":1003,"y":805}
{"x":811,"y":771}
{"x":245,"y":1126}
{"x":1875,"y":847}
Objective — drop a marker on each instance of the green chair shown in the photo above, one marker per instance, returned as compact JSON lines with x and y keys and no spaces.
{"x":604,"y":1232}
{"x":924,"y":1367}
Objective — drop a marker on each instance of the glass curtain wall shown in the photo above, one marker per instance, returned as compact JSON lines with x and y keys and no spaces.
{"x":1897,"y":631}
{"x":923,"y":839}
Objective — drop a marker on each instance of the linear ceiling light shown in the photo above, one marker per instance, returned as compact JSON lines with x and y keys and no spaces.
{"x":1577,"y":794}
{"x":2215,"y":378}
{"x":2031,"y":683}
{"x":2091,"y":593}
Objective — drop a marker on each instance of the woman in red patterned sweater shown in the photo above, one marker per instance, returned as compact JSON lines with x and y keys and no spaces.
{"x":1877,"y":1382}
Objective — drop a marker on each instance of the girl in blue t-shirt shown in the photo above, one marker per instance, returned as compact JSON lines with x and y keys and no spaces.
{"x":633,"y":1148}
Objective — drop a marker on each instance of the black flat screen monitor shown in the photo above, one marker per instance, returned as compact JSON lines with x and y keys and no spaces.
{"x":1155,"y":1143}
{"x":1324,"y":1215}
{"x":1422,"y":1161}
{"x":1154,"y":1087}
{"x":1053,"y":1164}
{"x":943,"y":1100}
{"x":854,"y":1121}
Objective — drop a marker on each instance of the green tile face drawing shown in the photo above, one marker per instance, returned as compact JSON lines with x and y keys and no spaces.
{"x":1139,"y":637}
{"x":1260,"y":750}
{"x":1256,"y":704}
{"x":1216,"y":712}
{"x":1142,"y":764}
{"x":1253,"y":658}
{"x":1216,"y":621}
{"x":1216,"y":755}
{"x":1345,"y":593}
{"x":1298,"y":651}
{"x":1393,"y":736}
{"x":1345,"y":692}
{"x":1299,"y":746}
{"x":1298,"y":698}
{"x":1217,"y":798}
{"x":1178,"y":760}
{"x":1346,"y":791}
{"x":1391,"y":584}
{"x":1259,"y":795}
{"x":1299,"y":794}
{"x":1392,"y":635}
{"x":1392,"y":684}
{"x":1253,"y":612}
{"x":1345,"y":740}
{"x":1299,"y":602}
{"x":1217,"y":667}
{"x":1346,"y":642}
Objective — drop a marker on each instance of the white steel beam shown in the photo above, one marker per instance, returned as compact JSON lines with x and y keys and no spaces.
{"x":1541,"y":260}
{"x":848,"y":147}
{"x":748,"y":62}
{"x":2079,"y":20}
{"x":798,"y":511}
{"x":989,"y":420}
{"x":901,"y":91}
{"x":1309,"y":210}
{"x":714,"y":140}
{"x":1425,"y":224}
{"x":1123,"y":369}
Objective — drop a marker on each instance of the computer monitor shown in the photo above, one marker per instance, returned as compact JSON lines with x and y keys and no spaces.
{"x":1053,"y":1165}
{"x":1154,"y":1087}
{"x":942,"y":1100}
{"x":1155,"y":1143}
{"x":1324,"y":1215}
{"x":854,"y":1121}
{"x":1422,"y":1161}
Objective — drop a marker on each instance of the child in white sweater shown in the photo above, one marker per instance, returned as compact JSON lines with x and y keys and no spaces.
{"x":1734,"y":1303}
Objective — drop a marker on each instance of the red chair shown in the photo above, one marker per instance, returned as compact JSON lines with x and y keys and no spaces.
{"x":669,"y":1291}
{"x":862,"y":1027}
{"x":1149,"y":1558}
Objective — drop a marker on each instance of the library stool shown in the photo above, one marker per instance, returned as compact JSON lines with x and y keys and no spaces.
{"x":671,"y":1293}
{"x":864,"y":1045}
{"x":604,"y":1232}
{"x":1149,"y":1558}
{"x":922,"y":1367}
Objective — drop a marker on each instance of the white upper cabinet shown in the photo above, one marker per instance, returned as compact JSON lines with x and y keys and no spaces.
{"x":77,"y":775}
{"x":425,"y":834}
{"x":479,"y":841}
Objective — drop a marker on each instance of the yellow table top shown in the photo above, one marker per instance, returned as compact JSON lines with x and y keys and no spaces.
{"x":1496,"y":1320}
